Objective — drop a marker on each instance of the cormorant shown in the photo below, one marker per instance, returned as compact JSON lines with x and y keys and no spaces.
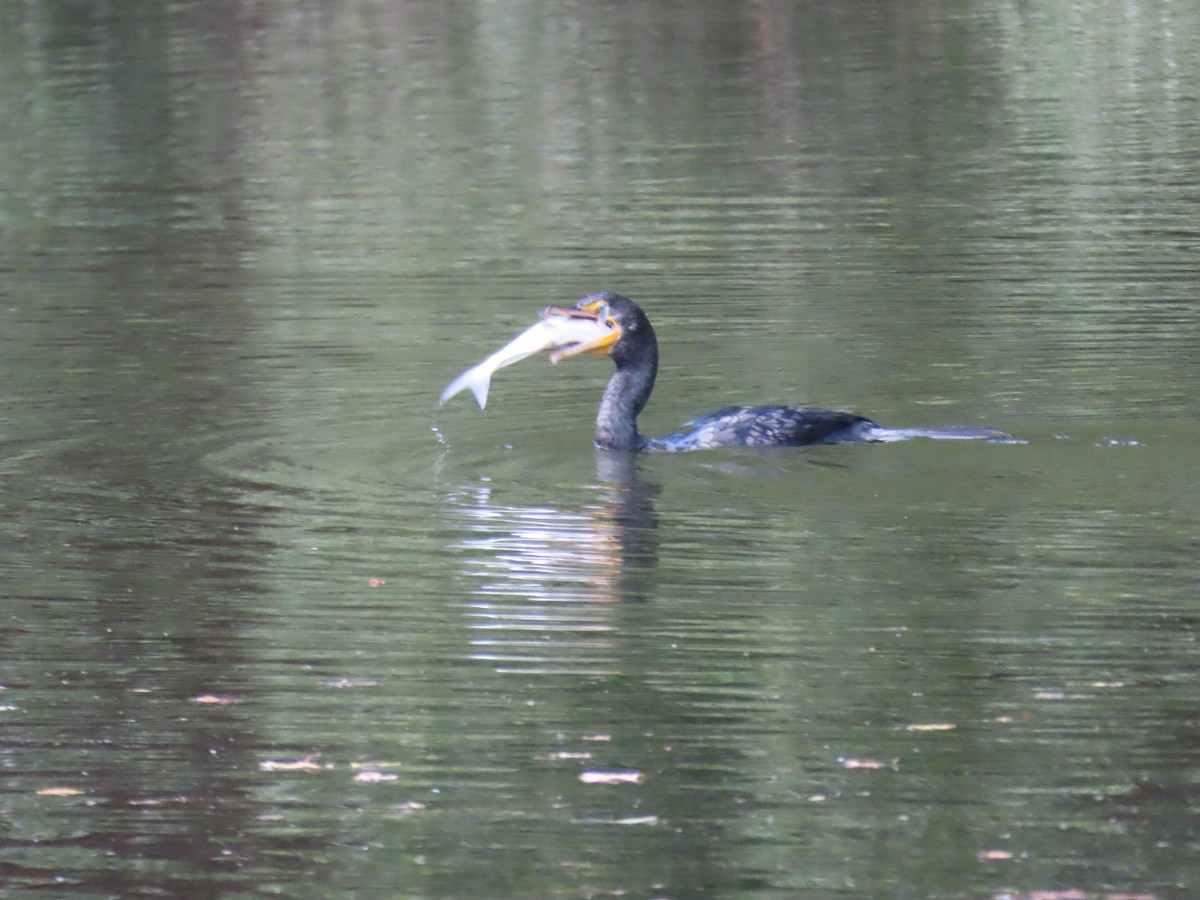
{"x":607,"y":324}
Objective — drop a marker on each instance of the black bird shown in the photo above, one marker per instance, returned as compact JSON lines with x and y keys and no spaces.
{"x":630,"y":341}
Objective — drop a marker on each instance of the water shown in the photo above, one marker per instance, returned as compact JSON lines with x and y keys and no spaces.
{"x":274,"y":623}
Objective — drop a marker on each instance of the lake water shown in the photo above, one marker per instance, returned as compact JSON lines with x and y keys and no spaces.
{"x":274,"y":624}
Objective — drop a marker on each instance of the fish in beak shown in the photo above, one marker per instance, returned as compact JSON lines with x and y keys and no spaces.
{"x":595,"y":311}
{"x":567,"y":332}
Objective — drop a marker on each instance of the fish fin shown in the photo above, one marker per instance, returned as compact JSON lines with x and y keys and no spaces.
{"x":480,"y":390}
{"x":476,"y":379}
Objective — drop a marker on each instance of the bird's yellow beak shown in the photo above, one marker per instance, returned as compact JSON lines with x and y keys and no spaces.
{"x":596,"y":311}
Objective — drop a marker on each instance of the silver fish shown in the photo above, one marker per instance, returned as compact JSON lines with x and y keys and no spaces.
{"x":554,"y":331}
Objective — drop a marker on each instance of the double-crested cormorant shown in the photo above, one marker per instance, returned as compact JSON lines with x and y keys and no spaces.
{"x":607,"y":324}
{"x":634,"y":349}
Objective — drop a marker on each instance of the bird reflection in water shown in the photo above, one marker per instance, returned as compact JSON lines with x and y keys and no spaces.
{"x":549,"y":582}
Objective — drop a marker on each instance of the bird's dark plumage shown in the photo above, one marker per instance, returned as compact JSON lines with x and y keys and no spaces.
{"x":635,"y":353}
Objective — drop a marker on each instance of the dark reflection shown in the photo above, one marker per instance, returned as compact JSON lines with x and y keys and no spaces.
{"x":630,"y":505}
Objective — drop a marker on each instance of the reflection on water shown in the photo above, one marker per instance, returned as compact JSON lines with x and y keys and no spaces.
{"x":545,"y":579}
{"x":241,"y":245}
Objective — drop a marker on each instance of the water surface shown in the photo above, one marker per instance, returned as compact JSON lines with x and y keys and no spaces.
{"x":274,"y":623}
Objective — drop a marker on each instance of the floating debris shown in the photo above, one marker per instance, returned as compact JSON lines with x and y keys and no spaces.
{"x":932,"y":726}
{"x":156,"y":801}
{"x":635,"y":820}
{"x":894,"y":765}
{"x":595,"y":776}
{"x":995,"y":855}
{"x":307,"y":764}
{"x":409,"y":806}
{"x":372,"y":776}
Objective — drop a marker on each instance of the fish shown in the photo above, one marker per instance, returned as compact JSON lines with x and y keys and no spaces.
{"x":557,"y":329}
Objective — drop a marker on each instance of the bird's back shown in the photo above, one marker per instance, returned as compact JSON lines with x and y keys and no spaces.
{"x":756,"y":426}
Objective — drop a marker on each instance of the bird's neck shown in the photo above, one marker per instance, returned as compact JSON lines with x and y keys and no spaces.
{"x":626,"y":395}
